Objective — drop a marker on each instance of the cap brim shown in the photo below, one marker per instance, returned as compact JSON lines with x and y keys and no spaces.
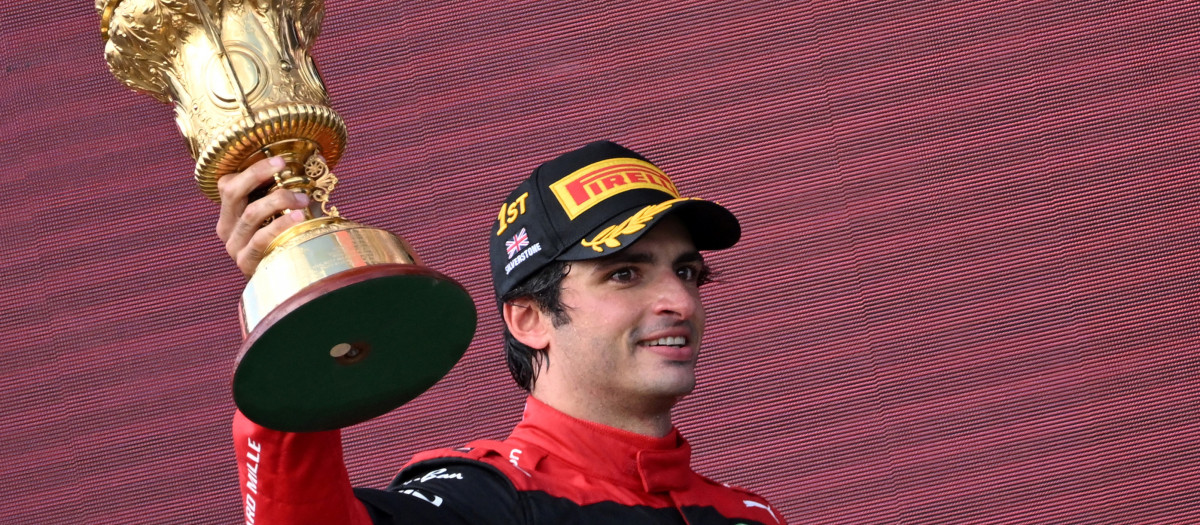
{"x":712,"y":226}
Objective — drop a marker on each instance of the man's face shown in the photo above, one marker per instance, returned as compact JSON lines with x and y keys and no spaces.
{"x":635,"y":320}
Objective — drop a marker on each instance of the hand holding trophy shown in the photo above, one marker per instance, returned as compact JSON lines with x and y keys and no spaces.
{"x":342,"y":323}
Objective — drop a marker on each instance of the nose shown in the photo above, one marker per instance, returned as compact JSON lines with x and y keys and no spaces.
{"x":676,"y":298}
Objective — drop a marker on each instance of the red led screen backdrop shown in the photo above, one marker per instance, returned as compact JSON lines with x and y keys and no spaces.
{"x":966,"y":291}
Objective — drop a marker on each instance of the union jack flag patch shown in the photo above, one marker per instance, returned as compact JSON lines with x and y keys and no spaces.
{"x":520,"y":240}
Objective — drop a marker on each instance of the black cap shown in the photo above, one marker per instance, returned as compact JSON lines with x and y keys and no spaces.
{"x":592,"y":202}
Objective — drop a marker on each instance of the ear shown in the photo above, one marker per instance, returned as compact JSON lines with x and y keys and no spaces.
{"x":528,"y":323}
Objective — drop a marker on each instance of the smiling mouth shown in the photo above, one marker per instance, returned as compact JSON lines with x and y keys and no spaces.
{"x":675,"y":348}
{"x":677,"y":341}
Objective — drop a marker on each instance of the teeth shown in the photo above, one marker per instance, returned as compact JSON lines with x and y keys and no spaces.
{"x":668,"y":341}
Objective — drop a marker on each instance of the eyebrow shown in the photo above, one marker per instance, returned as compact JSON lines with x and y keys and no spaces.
{"x":693,"y":256}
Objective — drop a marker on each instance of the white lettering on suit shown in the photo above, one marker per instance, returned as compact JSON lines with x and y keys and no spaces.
{"x":752,"y":504}
{"x":436,"y":474}
{"x":436,"y":501}
{"x":514,"y":456}
{"x":252,"y":463}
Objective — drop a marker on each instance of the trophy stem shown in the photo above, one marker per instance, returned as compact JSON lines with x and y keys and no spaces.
{"x":305,"y":171}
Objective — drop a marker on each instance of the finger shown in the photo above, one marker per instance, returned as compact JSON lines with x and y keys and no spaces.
{"x":257,"y":212}
{"x":235,"y":189}
{"x":250,"y":255}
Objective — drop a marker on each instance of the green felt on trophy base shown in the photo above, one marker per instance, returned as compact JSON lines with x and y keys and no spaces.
{"x":407,"y":326}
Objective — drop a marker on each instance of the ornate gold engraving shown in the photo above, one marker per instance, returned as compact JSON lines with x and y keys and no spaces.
{"x":238,"y":72}
{"x":323,"y":183}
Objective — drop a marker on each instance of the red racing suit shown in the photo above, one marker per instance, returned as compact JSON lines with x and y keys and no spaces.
{"x":553,"y":469}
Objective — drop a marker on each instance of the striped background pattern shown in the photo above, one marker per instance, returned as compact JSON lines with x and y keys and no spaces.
{"x":966,"y":292}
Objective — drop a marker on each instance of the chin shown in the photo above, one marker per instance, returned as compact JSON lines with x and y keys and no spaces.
{"x":666,"y":380}
{"x":677,"y":388}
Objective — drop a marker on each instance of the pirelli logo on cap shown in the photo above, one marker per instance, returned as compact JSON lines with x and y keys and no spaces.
{"x":590,"y":185}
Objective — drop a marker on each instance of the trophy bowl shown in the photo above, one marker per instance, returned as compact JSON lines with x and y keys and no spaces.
{"x":342,"y":322}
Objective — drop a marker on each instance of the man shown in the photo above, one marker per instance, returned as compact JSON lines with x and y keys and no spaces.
{"x":597,"y":273}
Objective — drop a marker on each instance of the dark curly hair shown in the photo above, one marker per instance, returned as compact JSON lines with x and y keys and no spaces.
{"x":544,"y":288}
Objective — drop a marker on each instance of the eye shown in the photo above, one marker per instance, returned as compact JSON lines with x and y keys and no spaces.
{"x":687,"y":273}
{"x":698,"y":273}
{"x":623,"y":275}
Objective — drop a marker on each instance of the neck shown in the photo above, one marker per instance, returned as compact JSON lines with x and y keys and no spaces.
{"x":646,"y":417}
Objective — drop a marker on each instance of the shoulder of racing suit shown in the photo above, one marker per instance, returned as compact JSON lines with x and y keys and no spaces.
{"x":513,"y":482}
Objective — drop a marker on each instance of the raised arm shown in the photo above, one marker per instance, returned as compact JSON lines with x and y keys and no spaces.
{"x":301,"y":478}
{"x":295,"y":478}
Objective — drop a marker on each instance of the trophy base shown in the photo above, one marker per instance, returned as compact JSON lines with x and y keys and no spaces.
{"x":352,"y":346}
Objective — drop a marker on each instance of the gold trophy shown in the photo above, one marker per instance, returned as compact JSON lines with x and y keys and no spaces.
{"x":341,"y":322}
